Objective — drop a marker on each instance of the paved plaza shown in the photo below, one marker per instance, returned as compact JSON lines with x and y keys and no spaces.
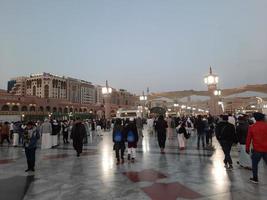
{"x":188,"y":174}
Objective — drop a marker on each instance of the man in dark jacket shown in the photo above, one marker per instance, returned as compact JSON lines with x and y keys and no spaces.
{"x":225,"y":134}
{"x":31,"y":137}
{"x":161,"y":128}
{"x":77,"y":134}
{"x":132,"y":138}
{"x":119,"y":137}
{"x":200,"y":125}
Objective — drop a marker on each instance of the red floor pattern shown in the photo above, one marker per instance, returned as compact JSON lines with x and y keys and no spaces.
{"x":6,"y":161}
{"x":170,"y":191}
{"x":145,"y":175}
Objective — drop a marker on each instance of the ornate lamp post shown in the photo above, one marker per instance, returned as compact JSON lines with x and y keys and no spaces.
{"x":212,"y":80}
{"x":143,"y":99}
{"x":106,"y":91}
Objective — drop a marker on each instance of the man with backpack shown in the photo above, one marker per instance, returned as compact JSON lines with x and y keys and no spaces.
{"x":119,"y":141}
{"x":226,"y":135}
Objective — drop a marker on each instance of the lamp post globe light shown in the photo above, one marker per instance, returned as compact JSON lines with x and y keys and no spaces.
{"x":143,"y":97}
{"x":106,"y":92}
{"x":212,"y":80}
{"x":217,"y":92}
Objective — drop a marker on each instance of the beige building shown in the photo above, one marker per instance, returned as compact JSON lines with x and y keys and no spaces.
{"x":99,"y":98}
{"x":19,"y":86}
{"x":74,"y":90}
{"x":87,"y":93}
{"x":46,"y":85}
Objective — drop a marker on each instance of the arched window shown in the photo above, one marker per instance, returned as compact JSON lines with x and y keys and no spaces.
{"x":46,"y":91}
{"x":41,"y":109}
{"x":15,"y":108}
{"x":24,"y":108}
{"x":32,"y":108}
{"x":5,"y":108}
{"x":60,"y":110}
{"x":34,"y":91}
{"x":65,"y":110}
{"x":48,"y":108}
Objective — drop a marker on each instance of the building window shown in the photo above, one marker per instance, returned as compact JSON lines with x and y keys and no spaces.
{"x":46,"y":91}
{"x":34,"y":91}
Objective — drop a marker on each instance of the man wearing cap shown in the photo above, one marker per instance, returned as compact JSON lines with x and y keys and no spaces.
{"x":257,"y":135}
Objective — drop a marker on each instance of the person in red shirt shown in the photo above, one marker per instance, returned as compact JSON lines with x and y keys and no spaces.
{"x":257,"y":135}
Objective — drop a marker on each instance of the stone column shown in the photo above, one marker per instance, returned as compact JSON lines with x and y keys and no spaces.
{"x":107,"y":106}
{"x":215,"y":108}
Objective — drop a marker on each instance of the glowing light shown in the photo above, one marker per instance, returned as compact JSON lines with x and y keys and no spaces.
{"x":143,"y":98}
{"x":217,"y":92}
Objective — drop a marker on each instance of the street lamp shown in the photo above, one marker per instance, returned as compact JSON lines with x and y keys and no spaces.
{"x":211,"y":80}
{"x":22,"y":117}
{"x":106,"y":91}
{"x":217,"y":92}
{"x":143,"y":99}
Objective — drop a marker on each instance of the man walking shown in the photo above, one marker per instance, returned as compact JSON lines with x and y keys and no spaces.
{"x":77,"y":134}
{"x":257,"y":135}
{"x":46,"y":131}
{"x":225,"y":134}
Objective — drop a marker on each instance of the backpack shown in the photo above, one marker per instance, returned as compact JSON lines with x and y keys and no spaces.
{"x":130,"y":136}
{"x":118,"y":136}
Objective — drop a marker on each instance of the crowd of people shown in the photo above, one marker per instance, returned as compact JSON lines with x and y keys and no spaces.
{"x":248,"y":132}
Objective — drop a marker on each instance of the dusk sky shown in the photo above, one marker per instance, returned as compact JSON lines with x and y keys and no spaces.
{"x":164,"y":44}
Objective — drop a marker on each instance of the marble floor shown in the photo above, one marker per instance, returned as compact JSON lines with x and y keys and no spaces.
{"x":188,"y":174}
